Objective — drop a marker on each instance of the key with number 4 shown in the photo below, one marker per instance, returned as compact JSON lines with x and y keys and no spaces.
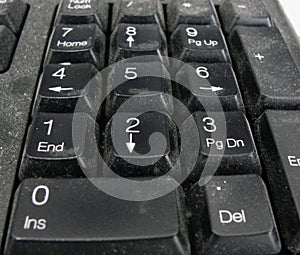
{"x":62,"y":85}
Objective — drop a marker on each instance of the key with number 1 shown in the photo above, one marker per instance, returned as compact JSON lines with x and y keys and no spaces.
{"x":52,"y":150}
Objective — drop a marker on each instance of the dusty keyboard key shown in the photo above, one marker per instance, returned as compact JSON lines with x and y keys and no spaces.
{"x":62,"y":85}
{"x":138,"y":12}
{"x":72,"y":216}
{"x":131,"y":40}
{"x":77,"y":44}
{"x":278,"y":134}
{"x":146,"y":83}
{"x":226,"y":143}
{"x":12,"y":14}
{"x":192,"y":43}
{"x":233,"y":215}
{"x":141,"y":144}
{"x":83,"y":12}
{"x":51,"y":150}
{"x":191,"y":12}
{"x":245,"y":13}
{"x":7,"y":47}
{"x":210,"y":86}
{"x":267,"y":73}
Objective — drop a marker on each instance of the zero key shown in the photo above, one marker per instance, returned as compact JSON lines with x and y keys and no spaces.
{"x":72,"y":216}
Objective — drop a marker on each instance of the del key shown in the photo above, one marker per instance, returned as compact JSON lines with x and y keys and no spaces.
{"x":233,"y":215}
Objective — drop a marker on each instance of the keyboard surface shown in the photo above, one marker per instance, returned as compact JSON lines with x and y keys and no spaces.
{"x":148,"y":127}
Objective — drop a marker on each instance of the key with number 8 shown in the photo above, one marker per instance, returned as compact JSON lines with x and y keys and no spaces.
{"x":132,"y":40}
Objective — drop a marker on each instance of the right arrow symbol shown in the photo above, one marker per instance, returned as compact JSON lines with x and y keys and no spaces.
{"x":130,"y":145}
{"x":212,"y":88}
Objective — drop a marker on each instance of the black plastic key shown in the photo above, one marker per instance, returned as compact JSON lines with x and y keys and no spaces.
{"x":279,"y":140}
{"x":192,"y":43}
{"x":209,"y":86}
{"x":138,"y":12}
{"x":131,"y":40}
{"x":75,"y":217}
{"x":191,"y":12}
{"x":7,"y":47}
{"x":226,"y":141}
{"x":233,"y":215}
{"x":12,"y":14}
{"x":268,"y":75}
{"x":245,"y":13}
{"x":83,"y":12}
{"x":51,"y":150}
{"x":146,"y":84}
{"x":62,"y":85}
{"x":77,"y":44}
{"x":141,"y":144}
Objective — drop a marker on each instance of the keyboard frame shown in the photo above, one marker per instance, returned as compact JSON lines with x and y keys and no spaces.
{"x":18,"y":87}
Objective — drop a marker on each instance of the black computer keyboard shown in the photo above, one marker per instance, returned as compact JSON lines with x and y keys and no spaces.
{"x":148,"y":127}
